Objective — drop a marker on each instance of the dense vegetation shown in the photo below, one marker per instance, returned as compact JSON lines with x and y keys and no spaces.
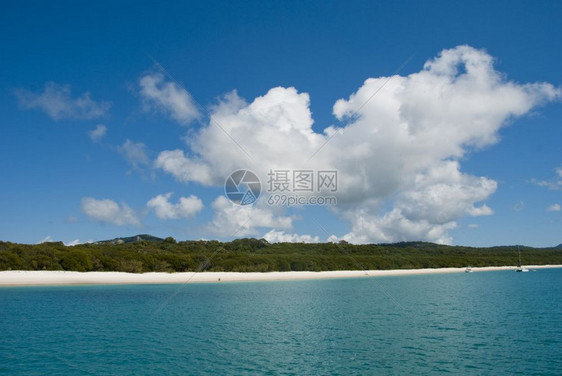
{"x":253,"y":255}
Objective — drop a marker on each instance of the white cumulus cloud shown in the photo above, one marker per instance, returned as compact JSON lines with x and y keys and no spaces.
{"x":234,"y":220}
{"x":274,"y":236}
{"x":184,"y":208}
{"x":46,"y":239}
{"x":98,"y":133}
{"x":74,"y":243}
{"x":398,"y":154}
{"x":108,"y":211}
{"x":554,"y":208}
{"x":554,"y":183}
{"x":183,"y":168}
{"x":167,"y":97}
{"x":57,"y":102}
{"x":134,"y":153}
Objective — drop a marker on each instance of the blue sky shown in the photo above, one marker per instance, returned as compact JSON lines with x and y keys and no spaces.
{"x":460,"y":144}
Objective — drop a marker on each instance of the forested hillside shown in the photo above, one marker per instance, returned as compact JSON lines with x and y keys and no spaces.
{"x":257,"y":255}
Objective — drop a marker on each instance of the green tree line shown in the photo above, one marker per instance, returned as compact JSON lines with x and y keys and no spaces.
{"x":257,"y":255}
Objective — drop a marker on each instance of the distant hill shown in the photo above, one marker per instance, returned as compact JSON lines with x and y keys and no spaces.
{"x":131,"y":239}
{"x":559,"y":246}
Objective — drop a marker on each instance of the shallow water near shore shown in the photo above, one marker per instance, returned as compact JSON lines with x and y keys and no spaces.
{"x":479,"y":323}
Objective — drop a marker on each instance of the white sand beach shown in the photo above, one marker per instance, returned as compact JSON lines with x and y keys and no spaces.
{"x":39,"y":278}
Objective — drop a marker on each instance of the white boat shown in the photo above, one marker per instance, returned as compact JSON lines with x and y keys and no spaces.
{"x":468,"y":269}
{"x":519,"y":267}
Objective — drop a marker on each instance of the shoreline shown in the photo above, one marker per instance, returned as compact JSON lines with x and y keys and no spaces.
{"x":67,"y":278}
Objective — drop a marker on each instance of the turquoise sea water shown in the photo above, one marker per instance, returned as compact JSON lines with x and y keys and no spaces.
{"x":480,"y":323}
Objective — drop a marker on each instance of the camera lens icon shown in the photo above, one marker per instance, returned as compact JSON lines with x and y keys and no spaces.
{"x":242,"y":187}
